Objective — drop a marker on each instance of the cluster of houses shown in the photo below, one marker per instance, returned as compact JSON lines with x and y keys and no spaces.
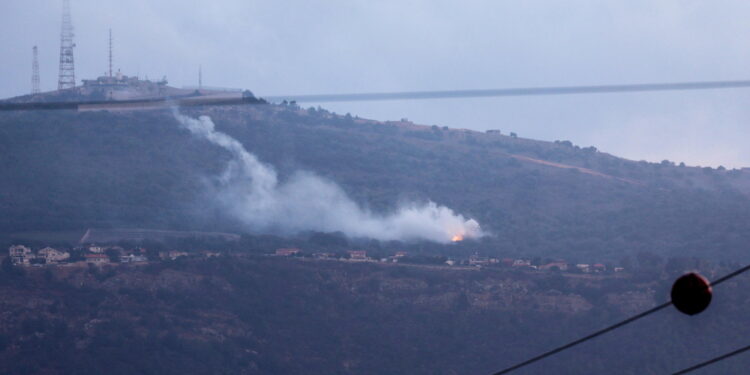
{"x":351,"y":255}
{"x":98,"y":255}
{"x":24,"y":256}
{"x":473,"y":260}
{"x":555,"y":265}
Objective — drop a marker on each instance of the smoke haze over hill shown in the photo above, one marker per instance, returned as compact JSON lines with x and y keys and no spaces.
{"x":251,"y":191}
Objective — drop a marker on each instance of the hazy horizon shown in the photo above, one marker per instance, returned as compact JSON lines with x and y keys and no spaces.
{"x":358,"y":46}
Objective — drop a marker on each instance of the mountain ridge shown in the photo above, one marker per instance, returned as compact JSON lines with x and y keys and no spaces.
{"x":67,"y":170}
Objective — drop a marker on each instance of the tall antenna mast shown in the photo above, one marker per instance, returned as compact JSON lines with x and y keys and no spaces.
{"x":110,"y":52}
{"x":67,"y":75}
{"x":200,"y":77}
{"x":35,"y":72}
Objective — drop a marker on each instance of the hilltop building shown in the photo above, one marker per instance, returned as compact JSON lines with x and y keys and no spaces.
{"x":122,"y":87}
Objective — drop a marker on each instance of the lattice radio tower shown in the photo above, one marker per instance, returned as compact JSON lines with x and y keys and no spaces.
{"x":35,"y":72}
{"x":110,"y":52}
{"x":67,"y":76}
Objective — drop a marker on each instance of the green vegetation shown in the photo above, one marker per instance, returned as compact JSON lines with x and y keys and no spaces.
{"x":65,"y":171}
{"x":268,"y":315}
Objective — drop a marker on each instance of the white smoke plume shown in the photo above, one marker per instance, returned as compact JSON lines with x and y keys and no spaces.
{"x":306,"y":202}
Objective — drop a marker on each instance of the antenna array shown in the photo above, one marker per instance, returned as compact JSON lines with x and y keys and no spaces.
{"x":35,"y":72}
{"x":67,"y":75}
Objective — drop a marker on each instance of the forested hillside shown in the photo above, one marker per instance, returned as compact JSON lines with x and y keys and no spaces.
{"x":70,"y":171}
{"x":270,"y":315}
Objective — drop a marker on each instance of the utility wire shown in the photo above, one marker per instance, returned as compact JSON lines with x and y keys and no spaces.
{"x":727,"y":355}
{"x":567,"y":90}
{"x":730,"y":275}
{"x":408,"y":95}
{"x":525,"y":91}
{"x":620,"y":324}
{"x":712,"y":361}
{"x":584,"y":339}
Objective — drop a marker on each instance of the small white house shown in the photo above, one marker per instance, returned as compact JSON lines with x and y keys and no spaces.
{"x":20,"y":254}
{"x":132,"y":258}
{"x":357,"y":255}
{"x":96,"y":249}
{"x":96,"y":258}
{"x":52,"y":255}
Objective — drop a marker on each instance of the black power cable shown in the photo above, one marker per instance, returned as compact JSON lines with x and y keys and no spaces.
{"x":583,"y":339}
{"x":730,"y":275}
{"x":618,"y":325}
{"x":713,"y":360}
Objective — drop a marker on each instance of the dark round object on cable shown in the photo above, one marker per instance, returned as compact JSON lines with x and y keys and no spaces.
{"x":691,"y":293}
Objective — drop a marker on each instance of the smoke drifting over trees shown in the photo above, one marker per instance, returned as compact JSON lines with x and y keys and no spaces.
{"x":251,"y":191}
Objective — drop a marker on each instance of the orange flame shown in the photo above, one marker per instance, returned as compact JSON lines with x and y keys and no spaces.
{"x":457,"y":238}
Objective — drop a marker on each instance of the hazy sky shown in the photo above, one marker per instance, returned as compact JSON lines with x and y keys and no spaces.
{"x":342,"y":46}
